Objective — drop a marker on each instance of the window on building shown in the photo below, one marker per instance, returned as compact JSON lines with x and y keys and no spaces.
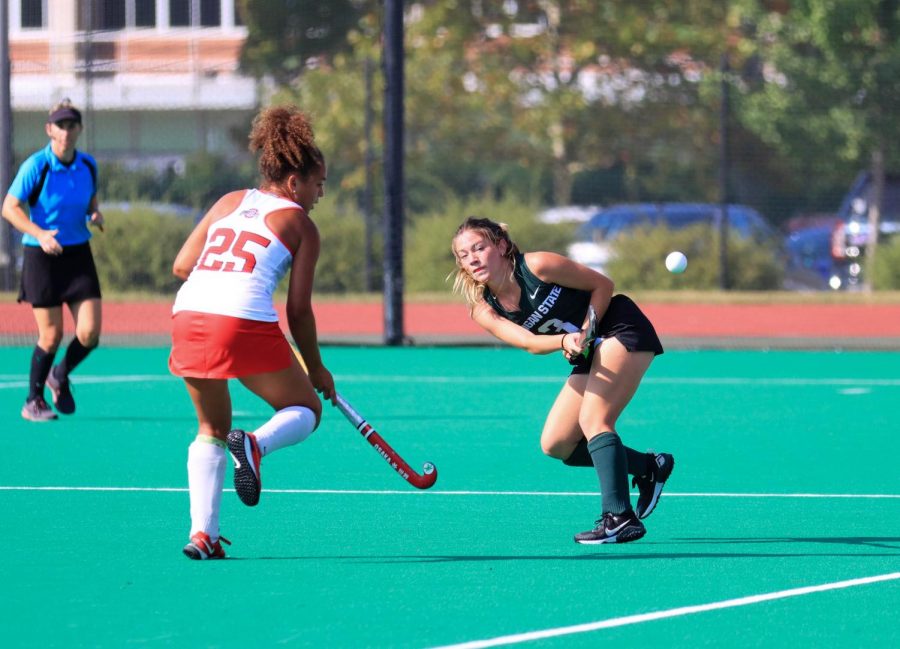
{"x":101,"y":16}
{"x":32,"y":14}
{"x":180,"y":13}
{"x":210,"y":13}
{"x":145,"y":13}
{"x":114,"y":15}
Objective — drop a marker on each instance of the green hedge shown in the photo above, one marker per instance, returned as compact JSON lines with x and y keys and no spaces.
{"x":429,"y":260}
{"x":341,"y":265}
{"x":639,"y":260}
{"x":887,"y":265}
{"x":136,"y":251}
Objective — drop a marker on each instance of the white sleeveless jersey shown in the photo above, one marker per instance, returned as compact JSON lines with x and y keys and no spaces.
{"x":241,"y":263}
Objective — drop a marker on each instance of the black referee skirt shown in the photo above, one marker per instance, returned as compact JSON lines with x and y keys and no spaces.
{"x":49,"y":281}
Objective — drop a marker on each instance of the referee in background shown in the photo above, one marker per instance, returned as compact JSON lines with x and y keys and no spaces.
{"x":52,"y":200}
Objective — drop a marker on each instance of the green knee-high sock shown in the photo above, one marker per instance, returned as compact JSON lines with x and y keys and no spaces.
{"x":637,"y":461}
{"x":611,"y":463}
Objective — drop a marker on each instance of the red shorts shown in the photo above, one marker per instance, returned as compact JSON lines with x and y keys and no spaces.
{"x":208,"y":346}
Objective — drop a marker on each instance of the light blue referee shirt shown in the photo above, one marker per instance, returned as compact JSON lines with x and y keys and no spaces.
{"x":64,"y":198}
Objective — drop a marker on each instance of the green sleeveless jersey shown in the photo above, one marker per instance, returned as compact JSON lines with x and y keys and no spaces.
{"x":545,"y":309}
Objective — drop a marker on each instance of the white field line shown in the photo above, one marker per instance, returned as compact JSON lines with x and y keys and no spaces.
{"x":689,"y":380}
{"x":430,"y":492}
{"x":673,"y":612}
{"x":21,"y":380}
{"x":7,"y":381}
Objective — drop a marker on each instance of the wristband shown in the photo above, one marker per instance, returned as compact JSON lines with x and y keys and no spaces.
{"x":562,"y":343}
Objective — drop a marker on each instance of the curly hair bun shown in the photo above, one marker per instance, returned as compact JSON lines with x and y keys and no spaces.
{"x":284,"y":137}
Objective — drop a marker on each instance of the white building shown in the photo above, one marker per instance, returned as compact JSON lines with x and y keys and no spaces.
{"x":155,"y":79}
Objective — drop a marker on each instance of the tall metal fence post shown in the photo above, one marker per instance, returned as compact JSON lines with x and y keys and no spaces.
{"x":393,"y":172}
{"x":7,"y":245}
{"x":368,"y":193}
{"x":724,"y":166}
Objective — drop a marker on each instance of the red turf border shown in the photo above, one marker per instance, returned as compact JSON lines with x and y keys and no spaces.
{"x":672,"y":320}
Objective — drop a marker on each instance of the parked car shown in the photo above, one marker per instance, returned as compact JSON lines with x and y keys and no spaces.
{"x":568,"y":214}
{"x":593,"y":240}
{"x":851,"y":234}
{"x":809,"y":264}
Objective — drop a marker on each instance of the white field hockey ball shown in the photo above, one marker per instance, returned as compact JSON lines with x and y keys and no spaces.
{"x":676,"y":262}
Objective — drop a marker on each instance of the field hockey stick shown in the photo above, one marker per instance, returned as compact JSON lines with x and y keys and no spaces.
{"x":384,"y":449}
{"x":590,"y":334}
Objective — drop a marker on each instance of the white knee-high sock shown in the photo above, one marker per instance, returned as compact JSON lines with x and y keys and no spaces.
{"x":288,"y":426}
{"x":206,"y":476}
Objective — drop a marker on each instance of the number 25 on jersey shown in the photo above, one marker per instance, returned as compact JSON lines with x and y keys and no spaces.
{"x":225,"y":243}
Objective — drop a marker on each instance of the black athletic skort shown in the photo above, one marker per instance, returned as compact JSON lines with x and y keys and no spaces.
{"x":49,"y":281}
{"x":625,"y":322}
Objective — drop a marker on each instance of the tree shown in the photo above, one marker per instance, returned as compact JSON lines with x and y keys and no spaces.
{"x":284,"y":35}
{"x":826,"y":95}
{"x":521,"y":97}
{"x":575,"y":84}
{"x":527,"y":97}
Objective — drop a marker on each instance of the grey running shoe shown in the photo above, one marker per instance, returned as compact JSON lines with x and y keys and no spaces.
{"x":37,"y":410}
{"x":612,"y":528}
{"x":61,"y":392}
{"x":650,"y":486}
{"x":247,"y":458}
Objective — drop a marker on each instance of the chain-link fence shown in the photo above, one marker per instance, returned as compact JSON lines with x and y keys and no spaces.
{"x":511,"y":109}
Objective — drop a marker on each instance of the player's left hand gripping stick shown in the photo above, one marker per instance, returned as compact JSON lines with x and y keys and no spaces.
{"x":384,"y":449}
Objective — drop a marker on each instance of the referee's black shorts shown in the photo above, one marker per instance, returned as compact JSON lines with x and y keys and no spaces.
{"x":625,"y":322}
{"x":49,"y":281}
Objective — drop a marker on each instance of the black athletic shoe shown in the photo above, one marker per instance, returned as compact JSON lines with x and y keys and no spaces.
{"x":650,"y":487}
{"x":612,"y":528}
{"x":61,"y":392}
{"x":247,"y":458}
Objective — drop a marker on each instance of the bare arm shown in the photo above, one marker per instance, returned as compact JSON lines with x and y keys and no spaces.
{"x":513,"y":334}
{"x":190,"y":251}
{"x":554,"y":269}
{"x":19,"y":214}
{"x":96,"y":215}
{"x":300,"y":316}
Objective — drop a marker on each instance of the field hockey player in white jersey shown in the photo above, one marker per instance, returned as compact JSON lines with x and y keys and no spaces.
{"x":225,"y":325}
